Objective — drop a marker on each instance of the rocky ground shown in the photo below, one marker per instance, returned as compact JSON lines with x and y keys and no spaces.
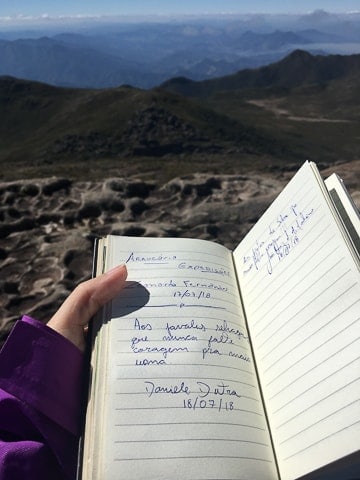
{"x":47,"y":226}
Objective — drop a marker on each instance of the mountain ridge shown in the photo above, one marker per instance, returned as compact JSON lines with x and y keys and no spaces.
{"x":299,"y":68}
{"x":146,"y":54}
{"x":222,"y":125}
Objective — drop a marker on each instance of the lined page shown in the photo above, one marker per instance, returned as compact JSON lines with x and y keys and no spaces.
{"x":181,"y":398}
{"x":301,"y":292}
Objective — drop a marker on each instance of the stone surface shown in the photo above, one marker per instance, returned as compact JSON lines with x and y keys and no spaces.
{"x":47,"y":226}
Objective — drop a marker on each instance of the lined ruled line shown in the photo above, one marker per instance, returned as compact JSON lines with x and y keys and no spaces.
{"x":195,"y":423}
{"x":321,"y":399}
{"x":223,"y":380}
{"x":322,"y":439}
{"x":311,"y":335}
{"x":210,"y":365}
{"x":180,"y":440}
{"x":313,"y":368}
{"x":303,"y":307}
{"x":180,"y":407}
{"x":189,"y":457}
{"x":313,"y":350}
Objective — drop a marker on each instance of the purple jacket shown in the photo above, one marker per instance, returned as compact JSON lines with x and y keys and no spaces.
{"x":40,"y":398}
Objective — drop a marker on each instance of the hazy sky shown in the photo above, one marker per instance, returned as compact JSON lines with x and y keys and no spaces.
{"x":131,"y":7}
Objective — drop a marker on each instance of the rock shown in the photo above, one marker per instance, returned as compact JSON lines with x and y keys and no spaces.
{"x":56,"y":185}
{"x":114,"y":184}
{"x":47,"y":226}
{"x":30,"y":189}
{"x":138,"y":206}
{"x":90,"y":209}
{"x":138,"y":189}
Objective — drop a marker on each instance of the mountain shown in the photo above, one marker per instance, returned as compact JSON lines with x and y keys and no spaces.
{"x":62,"y":64}
{"x":277,"y":40}
{"x":305,"y":106}
{"x":147,"y":53}
{"x":297,"y":69}
{"x":141,"y":58}
{"x":46,"y":124}
{"x":312,"y":35}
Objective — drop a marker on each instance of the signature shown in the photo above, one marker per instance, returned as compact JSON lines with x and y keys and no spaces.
{"x":203,"y":389}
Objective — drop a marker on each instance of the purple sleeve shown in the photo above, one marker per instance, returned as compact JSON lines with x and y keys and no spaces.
{"x":40,"y":398}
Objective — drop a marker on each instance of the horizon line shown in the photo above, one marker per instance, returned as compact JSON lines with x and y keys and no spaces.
{"x":45,"y":17}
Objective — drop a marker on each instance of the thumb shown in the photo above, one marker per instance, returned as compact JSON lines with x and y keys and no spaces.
{"x":87,"y":298}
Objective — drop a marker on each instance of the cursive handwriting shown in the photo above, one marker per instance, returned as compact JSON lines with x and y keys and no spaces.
{"x":204,"y":269}
{"x":155,"y":284}
{"x":180,"y":338}
{"x":282,"y":236}
{"x":184,"y":326}
{"x":204,"y":389}
{"x":220,"y":389}
{"x":205,"y":286}
{"x":151,"y":388}
{"x":145,"y":362}
{"x":234,"y":331}
{"x":223,"y":338}
{"x":165,"y":351}
{"x":150,"y":258}
{"x":141,"y":326}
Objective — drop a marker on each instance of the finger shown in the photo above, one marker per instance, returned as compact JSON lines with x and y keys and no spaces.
{"x":90,"y":296}
{"x":86,"y":300}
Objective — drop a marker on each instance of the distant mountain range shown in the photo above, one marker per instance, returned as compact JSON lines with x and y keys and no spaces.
{"x":303,"y":106}
{"x":146,"y":54}
{"x":298,"y":69}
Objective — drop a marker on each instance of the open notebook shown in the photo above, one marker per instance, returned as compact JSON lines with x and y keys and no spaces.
{"x":220,"y":365}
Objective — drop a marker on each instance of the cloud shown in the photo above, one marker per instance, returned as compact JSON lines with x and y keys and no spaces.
{"x":45,"y":17}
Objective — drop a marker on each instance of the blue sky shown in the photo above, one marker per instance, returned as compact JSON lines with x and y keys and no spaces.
{"x":144,"y":7}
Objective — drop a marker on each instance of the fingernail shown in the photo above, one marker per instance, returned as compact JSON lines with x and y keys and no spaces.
{"x":115,"y":269}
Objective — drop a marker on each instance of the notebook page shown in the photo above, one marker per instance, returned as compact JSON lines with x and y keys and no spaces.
{"x":181,"y":395}
{"x":300,"y":287}
{"x":345,"y":207}
{"x":93,"y":421}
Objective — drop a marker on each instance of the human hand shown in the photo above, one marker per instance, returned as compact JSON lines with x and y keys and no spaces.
{"x":88,"y":297}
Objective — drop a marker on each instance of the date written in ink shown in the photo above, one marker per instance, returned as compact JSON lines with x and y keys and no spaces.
{"x":191,"y":294}
{"x":214,"y":404}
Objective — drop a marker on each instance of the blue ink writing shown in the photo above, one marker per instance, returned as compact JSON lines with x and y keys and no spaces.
{"x":234,"y":331}
{"x":220,"y":389}
{"x":192,"y":294}
{"x":165,"y":351}
{"x":151,"y":388}
{"x":150,"y":258}
{"x":140,"y":326}
{"x":204,"y":269}
{"x":145,"y":362}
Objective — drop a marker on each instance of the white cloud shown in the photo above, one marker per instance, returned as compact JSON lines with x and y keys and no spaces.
{"x":45,"y":17}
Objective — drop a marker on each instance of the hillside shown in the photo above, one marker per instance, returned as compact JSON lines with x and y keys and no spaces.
{"x":50,"y":129}
{"x":61,"y":63}
{"x":298,"y":69}
{"x":302,"y":107}
{"x":310,"y":103}
{"x":79,"y":163}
